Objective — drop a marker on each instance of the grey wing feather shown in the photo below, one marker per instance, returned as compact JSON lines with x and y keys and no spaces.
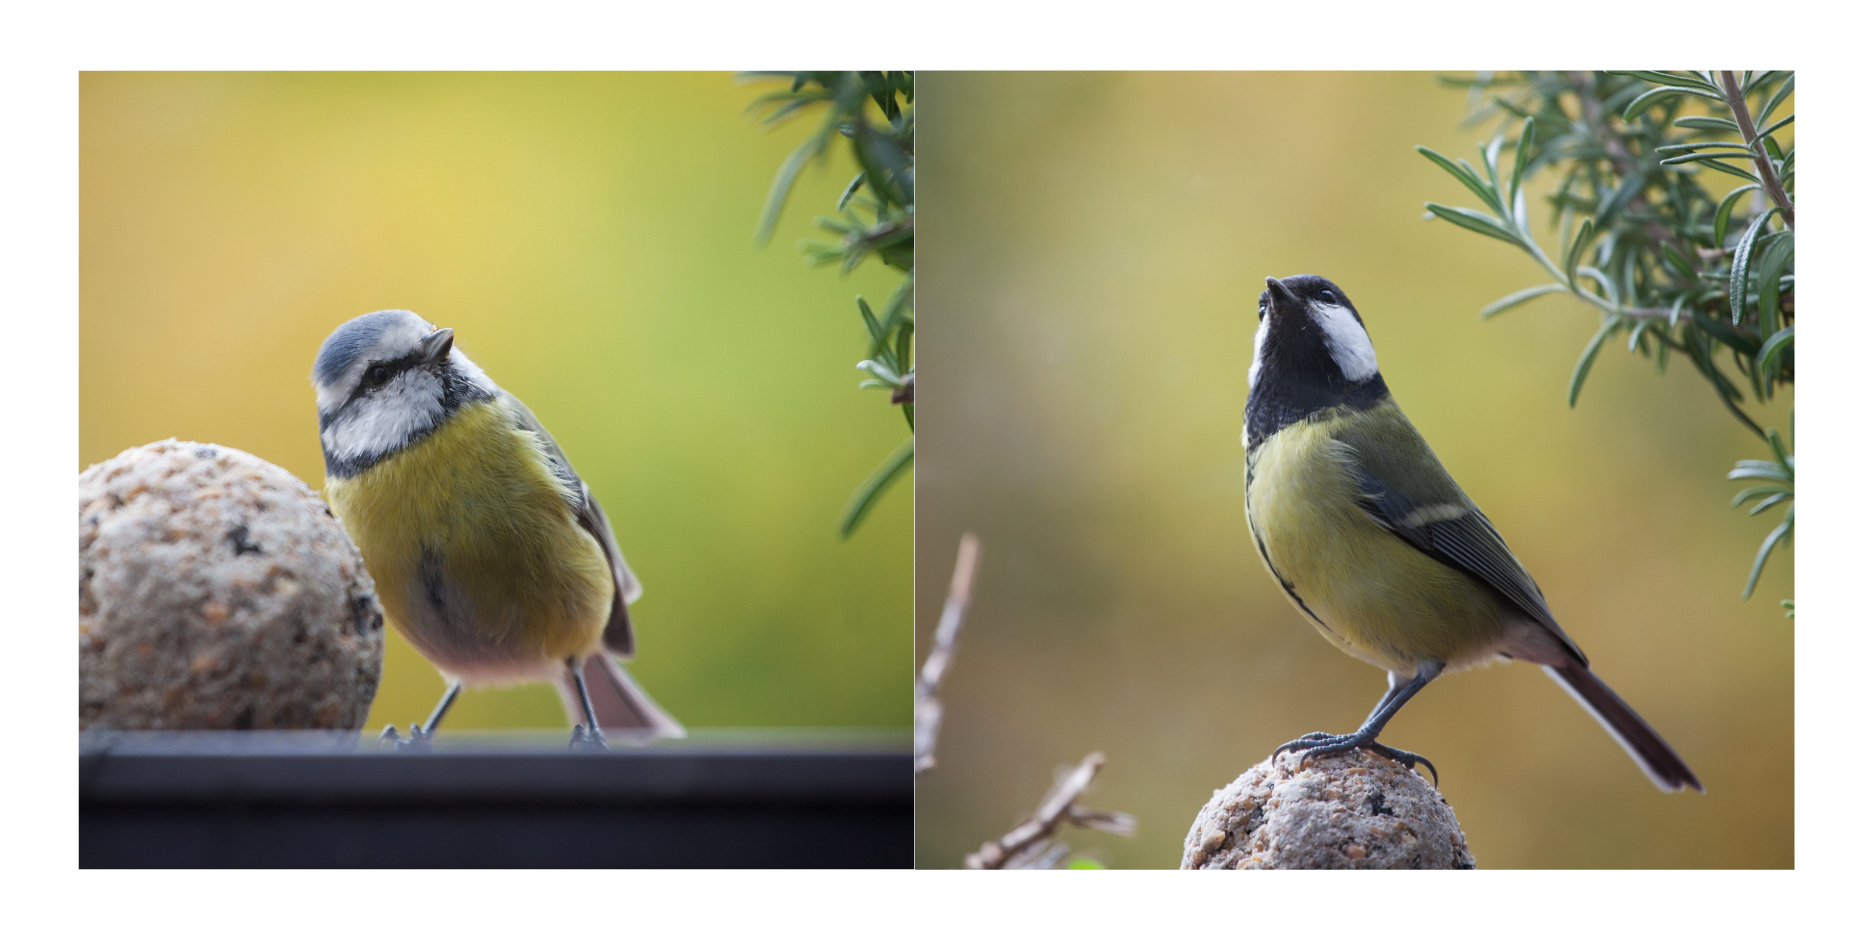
{"x":1429,"y":511}
{"x":590,"y":515}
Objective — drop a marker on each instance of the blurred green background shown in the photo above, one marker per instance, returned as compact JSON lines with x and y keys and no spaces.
{"x":1094,"y":244}
{"x":589,"y":237}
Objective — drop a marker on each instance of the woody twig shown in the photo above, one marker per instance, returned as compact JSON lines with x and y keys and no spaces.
{"x":1030,"y":845}
{"x":929,"y":709}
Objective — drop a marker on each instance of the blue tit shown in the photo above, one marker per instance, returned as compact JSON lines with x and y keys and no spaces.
{"x":1377,"y":546}
{"x":490,"y":554}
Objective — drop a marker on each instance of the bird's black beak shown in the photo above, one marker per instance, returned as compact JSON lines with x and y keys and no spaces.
{"x":1276,"y":295}
{"x":1280,"y":291}
{"x":435,"y":346}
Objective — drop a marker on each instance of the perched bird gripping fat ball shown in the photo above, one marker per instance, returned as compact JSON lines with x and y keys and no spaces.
{"x":1374,"y":542}
{"x":489,"y":553}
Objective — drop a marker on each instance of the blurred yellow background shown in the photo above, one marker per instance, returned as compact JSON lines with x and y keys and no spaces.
{"x":589,"y":237}
{"x":1093,"y":246}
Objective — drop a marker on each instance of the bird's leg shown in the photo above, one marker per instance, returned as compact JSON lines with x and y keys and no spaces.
{"x":1392,"y":688}
{"x":588,"y":736}
{"x":1366,"y":737}
{"x":421,"y":736}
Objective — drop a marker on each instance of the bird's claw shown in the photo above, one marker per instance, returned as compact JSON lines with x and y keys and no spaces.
{"x":1312,"y":741}
{"x":1325,"y":744}
{"x":587,"y":740}
{"x":1313,"y":738}
{"x":1408,"y":760}
{"x":418,"y":740}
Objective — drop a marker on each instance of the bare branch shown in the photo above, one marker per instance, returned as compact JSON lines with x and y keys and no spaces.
{"x":1028,"y":845}
{"x":942,"y":648}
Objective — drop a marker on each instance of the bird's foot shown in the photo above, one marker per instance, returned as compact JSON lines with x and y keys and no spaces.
{"x":1325,"y":744}
{"x":587,"y":740}
{"x":419,"y":741}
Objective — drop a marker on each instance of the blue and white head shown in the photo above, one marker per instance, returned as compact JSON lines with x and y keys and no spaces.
{"x":386,"y":380}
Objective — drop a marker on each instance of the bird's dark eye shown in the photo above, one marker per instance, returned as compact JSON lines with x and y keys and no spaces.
{"x":377,"y":375}
{"x":1327,"y":296}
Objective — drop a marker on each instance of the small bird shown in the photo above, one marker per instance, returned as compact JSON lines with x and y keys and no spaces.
{"x":1377,"y":546}
{"x":490,"y":554}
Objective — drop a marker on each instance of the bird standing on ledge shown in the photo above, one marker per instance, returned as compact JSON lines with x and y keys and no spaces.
{"x":489,"y":552}
{"x":1374,"y":542}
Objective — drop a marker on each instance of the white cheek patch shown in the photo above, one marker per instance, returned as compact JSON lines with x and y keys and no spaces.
{"x":329,"y":396}
{"x":1254,"y":367}
{"x":387,"y":419}
{"x":462,"y":366}
{"x":1351,"y":348}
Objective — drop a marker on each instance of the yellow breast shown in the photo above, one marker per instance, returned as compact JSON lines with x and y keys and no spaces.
{"x":1375,"y":596}
{"x":478,"y":558}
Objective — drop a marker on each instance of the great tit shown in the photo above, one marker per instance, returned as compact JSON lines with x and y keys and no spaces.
{"x":490,"y":554}
{"x":1377,"y":546}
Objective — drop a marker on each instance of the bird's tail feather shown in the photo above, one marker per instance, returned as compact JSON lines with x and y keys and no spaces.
{"x":624,"y":711}
{"x":1655,"y":756}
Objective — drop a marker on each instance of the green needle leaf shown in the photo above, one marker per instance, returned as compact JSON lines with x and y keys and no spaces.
{"x":1586,"y":358}
{"x":1577,"y":249}
{"x":1678,"y":263}
{"x":1770,"y":264}
{"x":1463,"y":174}
{"x":1770,"y":502}
{"x":870,"y":321}
{"x":1669,"y":78}
{"x":1783,"y":122}
{"x":1780,"y":95}
{"x":1761,"y":556}
{"x":881,"y":479}
{"x":1780,"y":449}
{"x":783,"y":184}
{"x":1491,"y":161}
{"x":1721,"y":124}
{"x":1606,"y":288}
{"x":1760,"y":469}
{"x":1701,"y":145}
{"x":1723,"y":167}
{"x":1738,"y":270}
{"x":1474,"y":221}
{"x":1655,"y":95}
{"x":1710,"y":158}
{"x":1521,"y":158}
{"x":851,"y":189}
{"x":1756,"y":491}
{"x":1638,"y":334}
{"x":1727,"y":205}
{"x":1520,"y":296}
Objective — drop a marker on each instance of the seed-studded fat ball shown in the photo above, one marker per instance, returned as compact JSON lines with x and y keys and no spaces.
{"x":216,"y":591}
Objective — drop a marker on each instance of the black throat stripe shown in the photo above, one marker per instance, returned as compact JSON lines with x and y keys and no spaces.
{"x":1271,"y":408}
